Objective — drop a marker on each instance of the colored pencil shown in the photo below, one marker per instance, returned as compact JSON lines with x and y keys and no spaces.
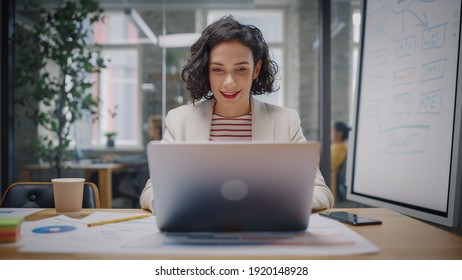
{"x":119,"y":220}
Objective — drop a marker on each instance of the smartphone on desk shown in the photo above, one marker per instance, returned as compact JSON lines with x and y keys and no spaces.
{"x":350,"y":218}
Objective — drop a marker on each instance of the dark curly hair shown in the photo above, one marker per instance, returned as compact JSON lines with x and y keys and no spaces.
{"x":196,"y":71}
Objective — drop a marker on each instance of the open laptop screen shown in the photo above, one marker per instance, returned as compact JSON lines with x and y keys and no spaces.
{"x":232,"y":186}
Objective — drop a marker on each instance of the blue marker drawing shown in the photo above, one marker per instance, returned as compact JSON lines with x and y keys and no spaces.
{"x":401,"y":104}
{"x":379,"y":57}
{"x":402,"y":139}
{"x":405,"y":6}
{"x":405,"y":47}
{"x":433,"y":38}
{"x":375,"y":82}
{"x":430,"y":102}
{"x":378,"y":30}
{"x":422,"y":22}
{"x":373,"y":108}
{"x":433,"y":70}
{"x":404,"y":76}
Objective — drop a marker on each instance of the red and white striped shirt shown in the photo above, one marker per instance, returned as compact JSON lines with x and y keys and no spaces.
{"x":231,"y":128}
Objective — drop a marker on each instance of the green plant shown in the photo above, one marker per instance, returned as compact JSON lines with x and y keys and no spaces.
{"x":53,"y":80}
{"x":110,"y":141}
{"x":110,"y":134}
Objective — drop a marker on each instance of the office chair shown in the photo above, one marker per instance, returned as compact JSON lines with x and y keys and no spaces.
{"x":341,"y":181}
{"x":128,"y":183}
{"x":40,"y":195}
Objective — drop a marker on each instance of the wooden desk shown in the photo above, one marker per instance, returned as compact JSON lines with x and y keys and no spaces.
{"x":104,"y":176}
{"x":399,"y":237}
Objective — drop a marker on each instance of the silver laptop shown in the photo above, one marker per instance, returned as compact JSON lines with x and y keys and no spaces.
{"x":232,"y":186}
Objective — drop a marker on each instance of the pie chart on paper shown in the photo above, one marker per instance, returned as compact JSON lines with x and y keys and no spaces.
{"x":53,"y":229}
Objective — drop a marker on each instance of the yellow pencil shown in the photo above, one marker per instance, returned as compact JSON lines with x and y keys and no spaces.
{"x":119,"y":220}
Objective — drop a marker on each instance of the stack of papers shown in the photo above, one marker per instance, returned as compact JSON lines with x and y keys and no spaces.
{"x":10,"y":229}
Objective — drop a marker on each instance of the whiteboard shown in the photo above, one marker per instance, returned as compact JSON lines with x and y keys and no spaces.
{"x":407,"y":125}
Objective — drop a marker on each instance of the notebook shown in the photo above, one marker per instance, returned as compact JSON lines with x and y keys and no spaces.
{"x":216,"y":186}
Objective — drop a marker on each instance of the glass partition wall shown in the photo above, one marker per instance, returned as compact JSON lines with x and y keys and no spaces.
{"x":146,"y":45}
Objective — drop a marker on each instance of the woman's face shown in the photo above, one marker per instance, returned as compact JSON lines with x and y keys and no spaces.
{"x":231,"y":73}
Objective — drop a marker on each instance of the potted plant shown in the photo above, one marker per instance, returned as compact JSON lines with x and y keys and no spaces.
{"x":110,"y":135}
{"x":52,"y":79}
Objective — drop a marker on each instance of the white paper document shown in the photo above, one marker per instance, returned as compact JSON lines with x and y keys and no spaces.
{"x":61,"y":234}
{"x":17,"y":212}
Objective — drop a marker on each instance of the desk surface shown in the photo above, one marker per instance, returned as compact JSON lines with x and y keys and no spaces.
{"x":399,"y":237}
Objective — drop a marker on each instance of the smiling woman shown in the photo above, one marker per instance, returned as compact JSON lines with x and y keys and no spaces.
{"x":228,"y":65}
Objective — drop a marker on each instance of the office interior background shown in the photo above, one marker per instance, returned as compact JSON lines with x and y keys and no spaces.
{"x":146,"y":42}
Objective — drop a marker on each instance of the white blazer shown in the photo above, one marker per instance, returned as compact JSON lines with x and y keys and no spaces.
{"x":269,"y":123}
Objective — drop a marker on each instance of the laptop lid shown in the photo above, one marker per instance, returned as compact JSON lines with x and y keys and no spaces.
{"x":217,"y":186}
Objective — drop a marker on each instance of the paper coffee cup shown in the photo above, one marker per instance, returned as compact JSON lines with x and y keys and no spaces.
{"x":68,"y":196}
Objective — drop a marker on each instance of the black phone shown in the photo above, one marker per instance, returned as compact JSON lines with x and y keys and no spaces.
{"x":350,"y":218}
